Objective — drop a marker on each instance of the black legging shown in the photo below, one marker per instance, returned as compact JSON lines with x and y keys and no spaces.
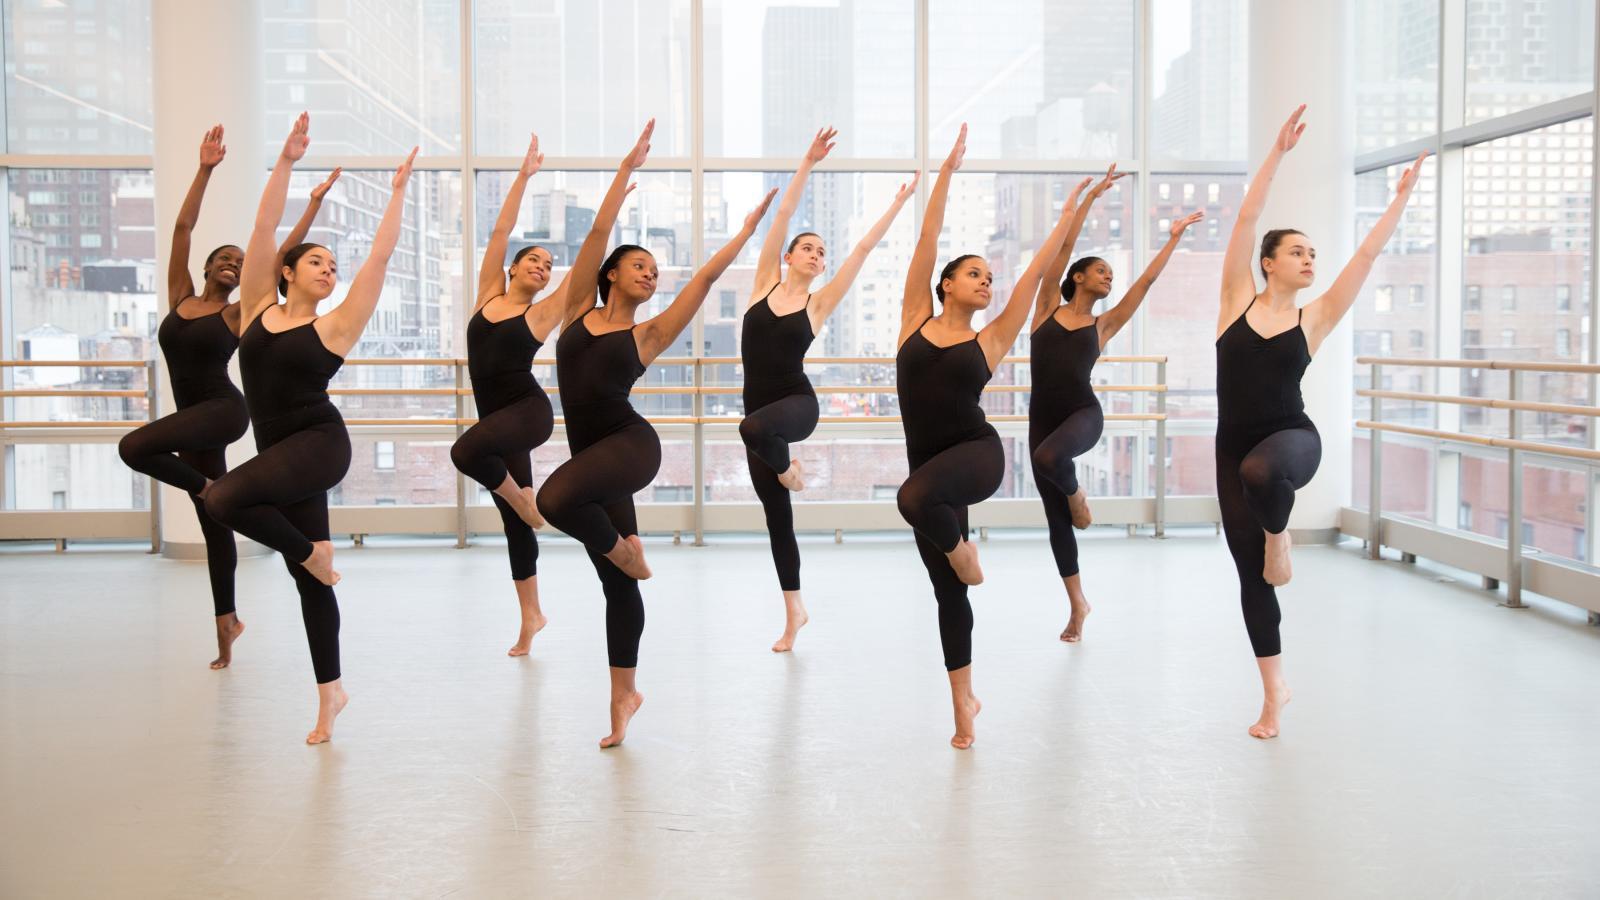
{"x":1257,"y":475}
{"x":498,"y":445}
{"x":1056,"y":476}
{"x":183,"y":449}
{"x":590,"y":497}
{"x":767,"y":433}
{"x":934,"y":500}
{"x":279,"y":498}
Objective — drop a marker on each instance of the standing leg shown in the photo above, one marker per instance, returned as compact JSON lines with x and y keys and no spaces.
{"x":955,"y":633}
{"x":1259,"y":601}
{"x":319,"y":608}
{"x":523,"y":547}
{"x":1064,"y":546}
{"x":222,"y":554}
{"x":779,"y":511}
{"x":624,"y":625}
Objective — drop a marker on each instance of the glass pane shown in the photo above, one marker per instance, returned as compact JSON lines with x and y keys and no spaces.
{"x":1396,"y":314}
{"x":585,"y":75}
{"x":72,"y":476}
{"x":1521,"y":53}
{"x":377,"y":78}
{"x":1396,"y":71}
{"x":794,"y":68}
{"x":77,"y":76}
{"x":1200,"y":71}
{"x":1030,"y":79}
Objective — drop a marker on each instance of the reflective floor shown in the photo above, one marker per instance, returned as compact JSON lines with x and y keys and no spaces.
{"x":1438,"y":745}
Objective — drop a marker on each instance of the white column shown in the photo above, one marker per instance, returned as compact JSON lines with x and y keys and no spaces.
{"x":1299,"y":53}
{"x":207,"y":69}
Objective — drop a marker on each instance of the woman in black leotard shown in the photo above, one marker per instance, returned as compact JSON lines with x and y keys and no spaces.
{"x":506,"y":329}
{"x":188,"y":448}
{"x":1064,"y":416}
{"x":780,"y":406}
{"x":615,"y":452}
{"x":1267,"y":447}
{"x":287,"y":356}
{"x":955,"y":455}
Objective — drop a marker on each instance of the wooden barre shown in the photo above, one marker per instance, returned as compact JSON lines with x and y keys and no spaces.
{"x":88,"y":423}
{"x":41,"y":392}
{"x":1501,"y":365}
{"x":1487,"y":402}
{"x":1486,"y":440}
{"x":75,"y":363}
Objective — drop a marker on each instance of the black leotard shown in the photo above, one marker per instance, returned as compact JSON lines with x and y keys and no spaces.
{"x":1065,"y":421}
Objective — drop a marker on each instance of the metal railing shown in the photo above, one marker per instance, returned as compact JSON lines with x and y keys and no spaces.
{"x":1514,"y":445}
{"x":699,"y":385}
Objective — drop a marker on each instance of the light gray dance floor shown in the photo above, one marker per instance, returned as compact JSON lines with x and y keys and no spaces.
{"x":1438,"y":745}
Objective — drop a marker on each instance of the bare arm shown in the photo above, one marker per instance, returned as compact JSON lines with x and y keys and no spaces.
{"x":258,"y":276}
{"x":825,"y":300}
{"x":180,"y":282}
{"x":343,"y":324}
{"x":1322,"y":315}
{"x":916,"y":303}
{"x":1114,"y":318}
{"x":1048,"y":297}
{"x":768,"y":270}
{"x":658,"y":333}
{"x":582,"y":281}
{"x":997,"y":336}
{"x":297,"y":234}
{"x":1238,"y":278}
{"x":492,"y":272}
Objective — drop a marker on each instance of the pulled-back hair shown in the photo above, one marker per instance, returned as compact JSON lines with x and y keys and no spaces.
{"x":292,"y":259}
{"x":521,"y":253}
{"x":213,"y":254}
{"x":1270,"y":242}
{"x":1070,"y":287}
{"x":949,"y":271}
{"x":797,"y":238}
{"x":612,"y":261}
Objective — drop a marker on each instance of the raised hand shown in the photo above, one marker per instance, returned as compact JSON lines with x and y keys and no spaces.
{"x":907,"y":189}
{"x":533,"y":160}
{"x":294,"y":147}
{"x":321,"y":190}
{"x":1182,"y":224}
{"x":1112,"y":176}
{"x":821,"y":144}
{"x":212,"y":150}
{"x":1289,"y":134}
{"x":760,"y":210}
{"x":403,"y":174}
{"x":953,"y":161}
{"x":1408,"y":178}
{"x":641,"y":147}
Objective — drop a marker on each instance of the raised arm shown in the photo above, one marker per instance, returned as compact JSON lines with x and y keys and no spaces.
{"x":258,"y":275}
{"x":657,"y":334}
{"x":916,"y":303}
{"x":581,"y":284}
{"x":1048,"y":296}
{"x":1322,"y":315}
{"x":1238,"y":274}
{"x":342,"y":326}
{"x":768,"y":270}
{"x":180,"y":281}
{"x":297,"y":234}
{"x":999,"y":334}
{"x":1117,"y":316}
{"x":827,"y":298}
{"x":492,"y":272}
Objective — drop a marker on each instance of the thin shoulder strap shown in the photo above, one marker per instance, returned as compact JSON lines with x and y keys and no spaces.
{"x":1299,"y":315}
{"x":773,"y":288}
{"x":807,"y":303}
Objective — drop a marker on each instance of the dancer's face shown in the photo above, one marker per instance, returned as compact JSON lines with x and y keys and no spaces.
{"x":315,"y":273}
{"x":1095,"y":280}
{"x":532,"y":271}
{"x":970,"y":285}
{"x":634,"y":278}
{"x":1293,"y":262}
{"x":223,"y":269}
{"x":808,"y":257}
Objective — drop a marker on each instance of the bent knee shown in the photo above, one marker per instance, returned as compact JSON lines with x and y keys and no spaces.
{"x":750,"y":431}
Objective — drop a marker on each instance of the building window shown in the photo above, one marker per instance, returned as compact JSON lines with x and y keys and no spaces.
{"x":1508,"y":337}
{"x":1563,"y":298}
{"x":1414,"y":295}
{"x":1464,"y":517}
{"x":1383,"y":300}
{"x":1385,"y":343}
{"x":730,"y":304}
{"x":672,"y":493}
{"x":1563,"y":342}
{"x":1474,"y":300}
{"x":1508,"y":297}
{"x":1471,"y":337}
{"x":383,"y":455}
{"x":1418,"y":340}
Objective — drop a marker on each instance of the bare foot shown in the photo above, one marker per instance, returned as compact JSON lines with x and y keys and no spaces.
{"x":526,"y":507}
{"x":1080,"y":611}
{"x":967,"y":710}
{"x":331,"y":703}
{"x":964,"y":559}
{"x":320,"y":563}
{"x":796,"y":619}
{"x":228,"y":630}
{"x":621,"y":713}
{"x":1277,"y":572}
{"x":206,"y":489}
{"x":1078,"y":506}
{"x":1272,"y":705}
{"x":795,"y":478}
{"x":530,"y":627}
{"x":628,"y":555}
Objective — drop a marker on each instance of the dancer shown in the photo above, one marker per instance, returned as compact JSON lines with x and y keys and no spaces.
{"x":955,"y":455}
{"x":188,"y":448}
{"x":1267,"y":448}
{"x":514,"y":416}
{"x":780,"y":405}
{"x":1064,"y":416}
{"x":287,"y":355}
{"x":615,"y":452}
